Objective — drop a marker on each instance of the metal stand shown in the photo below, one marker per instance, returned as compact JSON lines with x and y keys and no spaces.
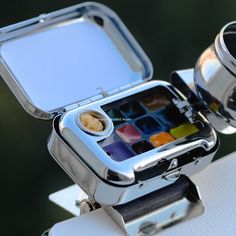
{"x":218,"y":189}
{"x":161,"y":209}
{"x":151,"y":213}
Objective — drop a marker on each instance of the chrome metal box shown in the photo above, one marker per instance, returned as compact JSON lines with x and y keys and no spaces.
{"x":118,"y":135}
{"x":84,"y":58}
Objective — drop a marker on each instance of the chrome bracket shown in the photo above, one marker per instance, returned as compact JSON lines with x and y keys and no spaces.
{"x":158,"y":210}
{"x":185,"y":108}
{"x":146,"y":215}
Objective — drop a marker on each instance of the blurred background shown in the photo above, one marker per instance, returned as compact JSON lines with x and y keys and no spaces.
{"x":172,"y":33}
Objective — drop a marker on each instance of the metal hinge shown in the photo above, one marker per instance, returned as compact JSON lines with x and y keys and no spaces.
{"x":102,"y":94}
{"x":185,"y":108}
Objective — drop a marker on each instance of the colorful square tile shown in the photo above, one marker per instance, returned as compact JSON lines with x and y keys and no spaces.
{"x":184,"y":130}
{"x":165,"y":120}
{"x":118,"y":151}
{"x":132,"y":110}
{"x":170,"y":117}
{"x":155,"y":102}
{"x":128,"y":133}
{"x":148,"y":125}
{"x":160,"y":139}
{"x":116,"y":116}
{"x":142,"y":146}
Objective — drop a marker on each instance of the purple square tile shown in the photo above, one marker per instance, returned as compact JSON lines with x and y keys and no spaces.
{"x":118,"y":151}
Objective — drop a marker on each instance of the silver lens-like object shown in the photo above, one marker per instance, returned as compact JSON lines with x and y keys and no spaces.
{"x":215,"y":80}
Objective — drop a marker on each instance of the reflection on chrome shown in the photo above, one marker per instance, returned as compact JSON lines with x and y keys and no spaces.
{"x":215,"y":79}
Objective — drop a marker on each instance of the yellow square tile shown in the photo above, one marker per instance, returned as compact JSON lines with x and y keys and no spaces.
{"x":184,"y":130}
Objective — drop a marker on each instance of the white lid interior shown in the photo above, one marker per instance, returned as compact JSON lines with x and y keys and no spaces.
{"x":73,"y":60}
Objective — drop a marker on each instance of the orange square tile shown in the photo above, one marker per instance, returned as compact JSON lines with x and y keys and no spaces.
{"x":160,"y":139}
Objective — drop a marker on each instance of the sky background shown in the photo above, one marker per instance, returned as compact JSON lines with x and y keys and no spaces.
{"x":172,"y":33}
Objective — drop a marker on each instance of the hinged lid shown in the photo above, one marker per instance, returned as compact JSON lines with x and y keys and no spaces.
{"x":68,"y":56}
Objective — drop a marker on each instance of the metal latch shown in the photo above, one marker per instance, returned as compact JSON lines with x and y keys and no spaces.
{"x":185,"y":108}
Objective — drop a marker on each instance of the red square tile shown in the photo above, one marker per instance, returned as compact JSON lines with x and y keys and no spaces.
{"x":128,"y":133}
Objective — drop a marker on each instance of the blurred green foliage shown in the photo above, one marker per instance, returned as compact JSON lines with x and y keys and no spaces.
{"x":172,"y":33}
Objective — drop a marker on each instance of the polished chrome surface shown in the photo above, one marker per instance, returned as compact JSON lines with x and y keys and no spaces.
{"x":60,"y":59}
{"x":185,"y":208}
{"x":56,"y":64}
{"x":183,"y":80}
{"x":173,"y":164}
{"x":215,"y":80}
{"x":94,"y":186}
{"x":87,"y":148}
{"x":84,"y":161}
{"x":103,"y":117}
{"x":87,"y":205}
{"x":173,"y":176}
{"x":98,"y":188}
